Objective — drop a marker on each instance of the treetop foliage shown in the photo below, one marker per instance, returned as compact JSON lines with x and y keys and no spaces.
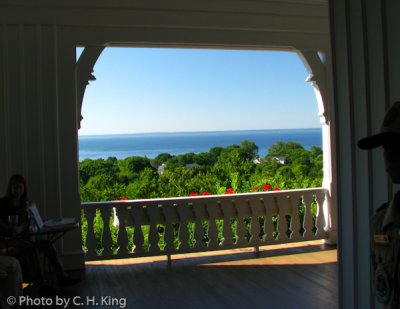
{"x":231,"y":169}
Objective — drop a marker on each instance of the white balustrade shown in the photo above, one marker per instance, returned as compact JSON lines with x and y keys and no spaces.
{"x":203,"y":223}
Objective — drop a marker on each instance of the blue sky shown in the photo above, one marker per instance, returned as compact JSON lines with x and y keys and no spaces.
{"x":141,"y":90}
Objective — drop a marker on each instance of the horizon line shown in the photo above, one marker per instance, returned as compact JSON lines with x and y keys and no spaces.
{"x":184,"y":132}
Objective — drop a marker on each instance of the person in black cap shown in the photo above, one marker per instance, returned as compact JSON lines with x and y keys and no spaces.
{"x":385,"y":234}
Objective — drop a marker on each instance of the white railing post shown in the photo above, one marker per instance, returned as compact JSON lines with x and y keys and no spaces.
{"x":308,"y":223}
{"x":229,"y":211}
{"x":270,"y":209}
{"x":106,"y":238}
{"x":90,"y":213}
{"x":282,"y":226}
{"x":320,"y":219}
{"x":214,"y":212}
{"x":171,"y":217}
{"x":200,"y":215}
{"x":122,"y":237}
{"x":255,"y":228}
{"x":138,"y":238}
{"x":294,"y":201}
{"x":242,"y":210}
{"x":186,"y":214}
{"x":155,"y":213}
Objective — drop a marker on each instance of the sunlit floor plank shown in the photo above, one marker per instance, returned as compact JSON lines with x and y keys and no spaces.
{"x":286,"y":276}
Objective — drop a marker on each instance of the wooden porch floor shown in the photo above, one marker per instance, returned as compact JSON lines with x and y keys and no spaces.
{"x":302,"y":275}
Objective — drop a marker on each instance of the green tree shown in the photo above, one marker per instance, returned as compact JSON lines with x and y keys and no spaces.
{"x":205,"y":159}
{"x":216,"y":151}
{"x":130,"y":167}
{"x":160,"y":159}
{"x":89,"y":168}
{"x":250,"y":148}
{"x":102,"y":188}
{"x":268,"y":167}
{"x":214,"y":172}
{"x":144,"y":186}
{"x":233,"y":168}
{"x":175,"y":182}
{"x":180,"y":161}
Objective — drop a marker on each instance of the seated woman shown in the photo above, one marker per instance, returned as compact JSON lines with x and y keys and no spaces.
{"x":10,"y":280}
{"x":27,"y":256}
{"x":14,"y":203}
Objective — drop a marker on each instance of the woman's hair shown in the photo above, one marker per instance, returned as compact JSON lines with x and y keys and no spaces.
{"x":17,"y":179}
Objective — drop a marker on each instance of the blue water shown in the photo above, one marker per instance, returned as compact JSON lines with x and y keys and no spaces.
{"x":152,"y":144}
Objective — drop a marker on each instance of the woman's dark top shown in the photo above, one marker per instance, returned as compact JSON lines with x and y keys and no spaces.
{"x":7,"y":209}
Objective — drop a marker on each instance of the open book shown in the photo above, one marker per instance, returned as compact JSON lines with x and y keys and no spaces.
{"x":41,"y":225}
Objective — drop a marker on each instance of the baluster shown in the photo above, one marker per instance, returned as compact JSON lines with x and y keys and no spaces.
{"x":235,"y":216}
{"x":138,"y":220}
{"x":288,"y":217}
{"x":320,"y":220}
{"x":200,"y":214}
{"x":212,"y":210}
{"x":285,"y":217}
{"x":146,"y":229}
{"x":255,"y":223}
{"x":262,"y":213}
{"x":241,"y":206}
{"x":269,"y":206}
{"x":293,"y":201}
{"x":301,"y":204}
{"x":106,"y":237}
{"x":282,"y":226}
{"x":184,"y":211}
{"x":191,"y":224}
{"x":219,"y":215}
{"x":129,"y":228}
{"x":308,"y":221}
{"x":121,"y":212}
{"x":90,"y":213}
{"x":267,"y":221}
{"x":154,"y":213}
{"x":161,"y":221}
{"x":229,"y":212}
{"x":171,"y":216}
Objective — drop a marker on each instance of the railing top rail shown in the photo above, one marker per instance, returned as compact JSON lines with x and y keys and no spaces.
{"x":168,"y":200}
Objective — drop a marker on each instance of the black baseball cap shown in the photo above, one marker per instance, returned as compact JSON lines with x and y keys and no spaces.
{"x":389,"y":133}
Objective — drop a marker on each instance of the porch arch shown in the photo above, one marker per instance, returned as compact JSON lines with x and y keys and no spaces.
{"x":317,"y":65}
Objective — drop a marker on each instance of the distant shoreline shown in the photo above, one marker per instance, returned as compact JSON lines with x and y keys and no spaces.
{"x":192,"y":132}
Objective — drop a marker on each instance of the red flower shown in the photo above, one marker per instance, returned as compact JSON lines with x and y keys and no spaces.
{"x":266,"y":187}
{"x":193,"y":194}
{"x":206,"y":193}
{"x":277,"y":189}
{"x":122,"y":199}
{"x":229,"y":191}
{"x":255,"y":189}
